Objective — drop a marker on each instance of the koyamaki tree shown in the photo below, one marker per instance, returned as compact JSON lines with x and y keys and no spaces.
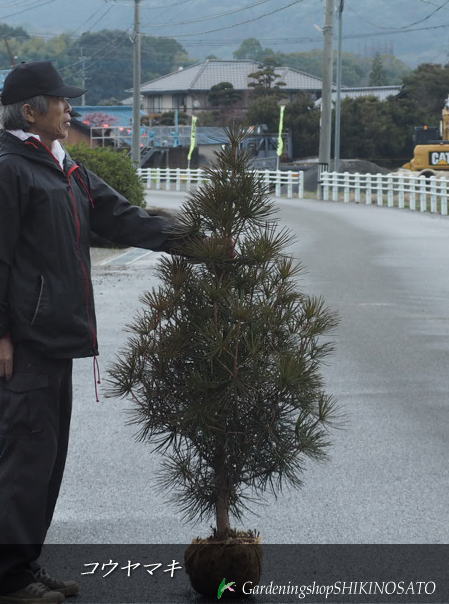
{"x":223,"y":363}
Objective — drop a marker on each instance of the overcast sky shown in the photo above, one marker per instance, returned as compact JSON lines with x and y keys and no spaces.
{"x":216,"y":27}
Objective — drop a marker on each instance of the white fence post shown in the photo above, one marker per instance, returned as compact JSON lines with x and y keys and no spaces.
{"x":412,"y":182}
{"x":357,"y":187}
{"x":325,"y":180}
{"x":334,"y":186}
{"x":189,"y":180}
{"x":278,"y":184}
{"x":422,"y":194}
{"x":289,"y":184}
{"x":379,"y":189}
{"x":368,"y":189}
{"x":167,"y":180}
{"x":433,"y":194}
{"x":301,"y":184}
{"x":158,"y":178}
{"x":346,"y":187}
{"x":443,"y":204}
{"x":178,"y":179}
{"x":267,"y":179}
{"x":401,"y":185}
{"x":390,"y":190}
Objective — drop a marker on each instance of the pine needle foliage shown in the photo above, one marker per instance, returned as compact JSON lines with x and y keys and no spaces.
{"x":223,"y":363}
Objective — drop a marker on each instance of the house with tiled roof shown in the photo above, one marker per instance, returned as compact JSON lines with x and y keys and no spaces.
{"x":188,"y":89}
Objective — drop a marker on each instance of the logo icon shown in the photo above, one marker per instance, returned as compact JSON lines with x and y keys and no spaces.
{"x":223,"y":587}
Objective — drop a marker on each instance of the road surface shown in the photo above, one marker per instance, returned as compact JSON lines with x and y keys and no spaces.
{"x":386,"y":272}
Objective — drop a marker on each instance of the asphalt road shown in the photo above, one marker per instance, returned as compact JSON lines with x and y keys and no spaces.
{"x":386,"y":272}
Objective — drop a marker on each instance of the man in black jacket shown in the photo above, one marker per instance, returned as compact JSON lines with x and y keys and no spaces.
{"x":48,"y":204}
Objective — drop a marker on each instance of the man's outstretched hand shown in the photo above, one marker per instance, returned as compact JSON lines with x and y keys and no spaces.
{"x":6,"y":357}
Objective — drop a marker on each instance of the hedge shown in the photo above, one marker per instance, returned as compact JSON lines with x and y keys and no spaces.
{"x":114,"y":167}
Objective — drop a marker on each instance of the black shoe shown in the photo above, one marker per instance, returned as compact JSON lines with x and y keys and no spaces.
{"x":68,"y":588}
{"x":33,"y":593}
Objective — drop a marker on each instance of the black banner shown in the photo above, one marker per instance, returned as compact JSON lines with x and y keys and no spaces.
{"x":138,"y":574}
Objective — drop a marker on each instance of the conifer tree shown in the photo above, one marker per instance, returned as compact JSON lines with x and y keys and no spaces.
{"x":223,"y":366}
{"x":377,"y":76}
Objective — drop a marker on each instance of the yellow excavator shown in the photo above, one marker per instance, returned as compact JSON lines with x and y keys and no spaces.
{"x":431,"y":152}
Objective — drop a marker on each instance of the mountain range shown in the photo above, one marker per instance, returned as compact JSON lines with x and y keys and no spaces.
{"x":416,"y":31}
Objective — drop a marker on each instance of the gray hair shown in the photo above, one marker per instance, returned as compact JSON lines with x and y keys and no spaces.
{"x":12,"y":116}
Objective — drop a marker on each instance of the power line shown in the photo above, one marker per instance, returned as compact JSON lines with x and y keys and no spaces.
{"x":277,"y":10}
{"x":17,"y":3}
{"x":94,"y":14}
{"x":107,"y":11}
{"x":164,"y":6}
{"x":20,"y":12}
{"x":428,"y":16}
{"x":395,"y":32}
{"x":403,"y":27}
{"x":208,"y":17}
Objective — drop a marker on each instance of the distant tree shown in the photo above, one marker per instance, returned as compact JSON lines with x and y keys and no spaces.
{"x":263,"y":110}
{"x":302,"y":117}
{"x":380,"y":131}
{"x":56,"y":49}
{"x":377,"y":76}
{"x":210,"y":118}
{"x":109,"y":67}
{"x":266,"y":81}
{"x":223,"y":94}
{"x":395,"y":69}
{"x":6,"y":31}
{"x":428,"y":87}
{"x":355,"y":69}
{"x":251,"y":48}
{"x":10,"y":40}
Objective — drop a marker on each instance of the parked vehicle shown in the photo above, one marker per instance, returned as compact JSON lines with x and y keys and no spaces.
{"x":431,"y":152}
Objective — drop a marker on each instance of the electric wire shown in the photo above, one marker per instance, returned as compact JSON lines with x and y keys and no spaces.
{"x":405,"y":27}
{"x":92,"y":16}
{"x":24,"y":10}
{"x":394,"y":32}
{"x":17,"y":3}
{"x":107,"y":11}
{"x":164,"y":6}
{"x":277,"y":10}
{"x":209,"y":17}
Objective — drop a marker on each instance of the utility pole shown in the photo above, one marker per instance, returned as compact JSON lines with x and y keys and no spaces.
{"x":326,"y":95}
{"x":83,"y":76}
{"x":341,"y":6}
{"x":137,"y":82}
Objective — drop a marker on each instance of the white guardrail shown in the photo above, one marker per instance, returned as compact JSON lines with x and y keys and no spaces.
{"x":283,"y":183}
{"x":394,"y":190}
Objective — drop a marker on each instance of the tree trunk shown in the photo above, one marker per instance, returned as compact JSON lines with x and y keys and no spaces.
{"x":222,"y":491}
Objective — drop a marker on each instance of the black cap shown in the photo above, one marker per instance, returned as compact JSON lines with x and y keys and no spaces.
{"x":33,"y":79}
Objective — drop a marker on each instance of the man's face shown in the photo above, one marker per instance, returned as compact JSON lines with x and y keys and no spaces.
{"x":55,"y":123}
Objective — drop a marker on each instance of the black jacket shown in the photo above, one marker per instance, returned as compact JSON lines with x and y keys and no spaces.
{"x":46,"y":214}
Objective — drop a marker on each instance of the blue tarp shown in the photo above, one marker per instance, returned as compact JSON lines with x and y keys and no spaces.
{"x":3,"y":74}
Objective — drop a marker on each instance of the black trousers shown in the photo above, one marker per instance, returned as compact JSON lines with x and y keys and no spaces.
{"x":35,"y":410}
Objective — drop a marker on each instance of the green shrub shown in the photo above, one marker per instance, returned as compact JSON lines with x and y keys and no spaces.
{"x":114,"y":167}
